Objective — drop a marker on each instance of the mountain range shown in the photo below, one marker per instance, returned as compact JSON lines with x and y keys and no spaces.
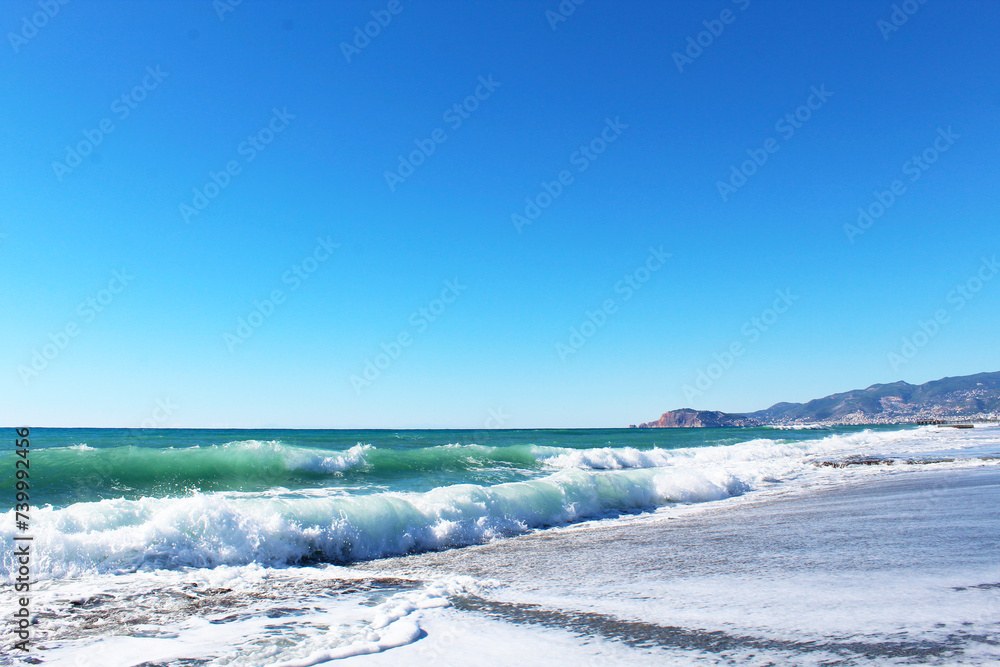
{"x":966,"y":397}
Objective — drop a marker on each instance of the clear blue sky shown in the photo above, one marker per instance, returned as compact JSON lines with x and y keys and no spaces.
{"x":338,"y":119}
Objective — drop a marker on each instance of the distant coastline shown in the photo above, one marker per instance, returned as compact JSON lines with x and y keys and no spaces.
{"x":967,"y":398}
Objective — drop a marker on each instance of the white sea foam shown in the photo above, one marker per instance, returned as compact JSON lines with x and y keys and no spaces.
{"x":316,"y":626}
{"x":760,"y":449}
{"x":205,"y":530}
{"x":301,"y":458}
{"x":394,"y":624}
{"x":352,"y":458}
{"x":602,"y":458}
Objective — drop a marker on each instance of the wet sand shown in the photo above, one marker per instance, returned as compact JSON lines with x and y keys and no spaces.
{"x":893,"y":564}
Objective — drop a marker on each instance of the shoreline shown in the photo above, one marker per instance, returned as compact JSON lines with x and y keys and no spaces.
{"x":803,"y":566}
{"x":891,"y":564}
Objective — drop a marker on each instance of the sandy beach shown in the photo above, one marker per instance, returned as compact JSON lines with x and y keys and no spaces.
{"x":897,"y":566}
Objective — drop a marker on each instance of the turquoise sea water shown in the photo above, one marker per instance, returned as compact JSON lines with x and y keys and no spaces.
{"x":113,"y":500}
{"x":83,"y":465}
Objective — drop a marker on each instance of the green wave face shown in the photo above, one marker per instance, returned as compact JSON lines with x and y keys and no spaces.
{"x":84,"y":473}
